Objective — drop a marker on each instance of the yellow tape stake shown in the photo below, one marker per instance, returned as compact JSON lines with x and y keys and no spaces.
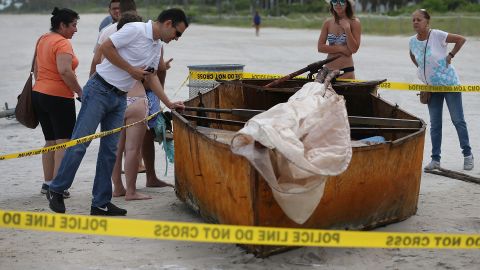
{"x":210,"y":233}
{"x":73,"y":142}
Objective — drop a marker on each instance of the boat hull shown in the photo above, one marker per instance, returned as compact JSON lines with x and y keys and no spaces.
{"x":380,"y":186}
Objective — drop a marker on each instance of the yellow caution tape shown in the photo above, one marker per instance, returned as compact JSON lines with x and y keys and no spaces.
{"x":197,"y":232}
{"x":194,"y":75}
{"x":237,"y":75}
{"x":386,"y":85}
{"x":259,"y":76}
{"x":72,"y":142}
{"x":422,"y":87}
{"x":181,"y":86}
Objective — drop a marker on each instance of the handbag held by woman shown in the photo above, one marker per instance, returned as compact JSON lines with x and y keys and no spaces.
{"x":425,"y":96}
{"x":24,"y":110}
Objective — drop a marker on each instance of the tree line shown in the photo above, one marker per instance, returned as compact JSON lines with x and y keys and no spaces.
{"x":266,"y":7}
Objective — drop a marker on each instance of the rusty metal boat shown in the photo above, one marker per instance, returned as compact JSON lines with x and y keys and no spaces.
{"x":380,"y":186}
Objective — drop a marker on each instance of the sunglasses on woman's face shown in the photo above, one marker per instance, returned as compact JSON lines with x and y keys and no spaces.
{"x":341,"y":2}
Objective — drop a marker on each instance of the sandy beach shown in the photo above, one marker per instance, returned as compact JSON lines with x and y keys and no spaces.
{"x":445,"y":205}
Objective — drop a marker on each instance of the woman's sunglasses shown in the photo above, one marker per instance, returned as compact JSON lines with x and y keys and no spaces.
{"x":341,"y":2}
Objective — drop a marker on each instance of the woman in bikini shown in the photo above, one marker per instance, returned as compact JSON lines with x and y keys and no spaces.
{"x":131,"y":142}
{"x":343,"y":33}
{"x":131,"y":139}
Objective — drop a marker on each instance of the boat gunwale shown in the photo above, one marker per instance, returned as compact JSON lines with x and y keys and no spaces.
{"x":393,"y":143}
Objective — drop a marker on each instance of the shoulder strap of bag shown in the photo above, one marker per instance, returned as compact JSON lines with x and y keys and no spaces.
{"x":425,"y":57}
{"x":35,"y":54}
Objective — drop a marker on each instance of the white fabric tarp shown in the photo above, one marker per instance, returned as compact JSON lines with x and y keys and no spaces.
{"x":302,"y":142}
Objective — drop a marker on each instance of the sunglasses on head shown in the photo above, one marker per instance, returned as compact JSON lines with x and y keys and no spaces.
{"x":341,"y":2}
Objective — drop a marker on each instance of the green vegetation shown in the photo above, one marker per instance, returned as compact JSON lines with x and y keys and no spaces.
{"x":371,"y":24}
{"x":456,"y":16}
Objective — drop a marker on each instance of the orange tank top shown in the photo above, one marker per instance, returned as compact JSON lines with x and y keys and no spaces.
{"x":48,"y":79}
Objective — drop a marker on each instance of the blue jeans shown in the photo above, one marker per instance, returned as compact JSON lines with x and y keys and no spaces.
{"x":455,"y":107}
{"x":100,"y":105}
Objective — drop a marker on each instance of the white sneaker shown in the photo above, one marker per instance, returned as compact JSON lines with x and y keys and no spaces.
{"x":432,"y":165}
{"x":468,"y":163}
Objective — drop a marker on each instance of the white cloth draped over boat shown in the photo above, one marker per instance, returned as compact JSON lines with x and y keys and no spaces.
{"x":305,"y":140}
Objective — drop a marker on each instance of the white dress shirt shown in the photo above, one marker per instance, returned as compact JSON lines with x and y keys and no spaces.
{"x":135,"y":44}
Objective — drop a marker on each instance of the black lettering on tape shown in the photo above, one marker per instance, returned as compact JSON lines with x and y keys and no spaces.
{"x":473,"y":88}
{"x":216,"y":233}
{"x":39,"y":220}
{"x":385,"y":85}
{"x":174,"y":231}
{"x":408,"y":241}
{"x":273,"y":236}
{"x":241,"y":234}
{"x":315,"y":237}
{"x":11,"y":218}
{"x":82,"y":223}
{"x":473,"y":242}
{"x":447,"y":241}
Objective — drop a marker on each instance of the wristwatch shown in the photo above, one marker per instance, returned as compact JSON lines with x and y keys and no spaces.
{"x":451,"y":54}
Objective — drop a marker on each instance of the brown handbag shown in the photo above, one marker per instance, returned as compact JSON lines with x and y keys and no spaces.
{"x":425,"y":96}
{"x":24,"y":110}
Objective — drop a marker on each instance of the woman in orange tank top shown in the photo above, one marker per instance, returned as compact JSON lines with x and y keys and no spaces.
{"x":55,"y":88}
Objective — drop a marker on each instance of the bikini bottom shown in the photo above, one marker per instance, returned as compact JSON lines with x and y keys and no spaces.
{"x":131,"y":100}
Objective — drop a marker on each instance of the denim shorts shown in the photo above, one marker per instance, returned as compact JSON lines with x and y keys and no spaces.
{"x":153,"y":107}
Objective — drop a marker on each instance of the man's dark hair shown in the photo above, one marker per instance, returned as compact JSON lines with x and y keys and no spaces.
{"x":127,"y":5}
{"x":112,"y":1}
{"x":62,"y":15}
{"x":128,"y":17}
{"x":175,"y":15}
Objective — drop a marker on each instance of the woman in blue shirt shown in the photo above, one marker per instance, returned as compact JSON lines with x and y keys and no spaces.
{"x":429,"y":53}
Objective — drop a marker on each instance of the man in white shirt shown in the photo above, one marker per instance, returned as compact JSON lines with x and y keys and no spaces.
{"x":148,"y":150}
{"x":129,"y":52}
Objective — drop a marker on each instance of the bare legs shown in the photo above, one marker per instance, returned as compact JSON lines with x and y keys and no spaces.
{"x":141,"y":166}
{"x":132,"y":146}
{"x":118,"y":188}
{"x":149,"y":160}
{"x":51,"y":160}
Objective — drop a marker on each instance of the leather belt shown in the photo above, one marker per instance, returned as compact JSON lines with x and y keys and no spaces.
{"x":109,"y":86}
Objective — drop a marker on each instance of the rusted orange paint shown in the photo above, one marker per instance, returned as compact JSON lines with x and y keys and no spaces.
{"x":380,"y":186}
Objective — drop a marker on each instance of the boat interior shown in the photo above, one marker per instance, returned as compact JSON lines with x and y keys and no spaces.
{"x":222,"y":111}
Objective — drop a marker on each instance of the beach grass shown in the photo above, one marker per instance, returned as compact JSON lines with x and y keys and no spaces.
{"x":371,"y":24}
{"x":463,"y":23}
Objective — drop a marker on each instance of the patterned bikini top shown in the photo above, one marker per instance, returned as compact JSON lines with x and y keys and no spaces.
{"x":337,"y":40}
